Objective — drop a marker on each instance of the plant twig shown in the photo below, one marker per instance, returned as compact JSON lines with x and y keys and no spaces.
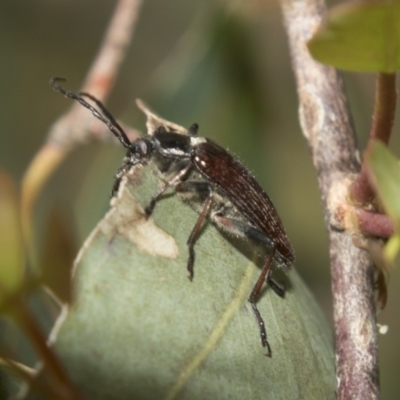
{"x":361,"y":190}
{"x":31,"y":328}
{"x":375,"y":224}
{"x":65,"y":134}
{"x":100,"y":79}
{"x":326,"y":124}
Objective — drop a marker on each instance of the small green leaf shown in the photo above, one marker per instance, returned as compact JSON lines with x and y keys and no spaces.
{"x":386,"y":172}
{"x":11,"y":246}
{"x":360,"y":36}
{"x":139,"y":329}
{"x":10,"y":383}
{"x":392,"y":248}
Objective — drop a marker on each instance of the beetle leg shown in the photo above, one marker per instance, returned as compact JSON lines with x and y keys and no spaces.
{"x":193,"y":235}
{"x":254,"y":295}
{"x":204,"y":189}
{"x":261,"y":237}
{"x":126,"y":165}
{"x":276,"y":287}
{"x":176,"y":180}
{"x":248,"y":232}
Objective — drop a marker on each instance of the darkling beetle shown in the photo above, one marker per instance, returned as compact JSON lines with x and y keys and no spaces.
{"x":214,"y":182}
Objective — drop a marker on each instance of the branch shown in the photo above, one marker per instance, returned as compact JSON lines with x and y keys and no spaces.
{"x":326,"y":124}
{"x":62,"y":381}
{"x":65,"y":134}
{"x":99,"y":80}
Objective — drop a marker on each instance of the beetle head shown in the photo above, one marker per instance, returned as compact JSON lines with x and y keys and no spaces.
{"x":139,"y":150}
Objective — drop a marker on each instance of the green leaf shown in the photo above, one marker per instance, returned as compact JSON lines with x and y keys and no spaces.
{"x":360,"y":36}
{"x":10,"y":383}
{"x":392,"y":248}
{"x":386,"y":173}
{"x":139,"y":329}
{"x":11,"y":247}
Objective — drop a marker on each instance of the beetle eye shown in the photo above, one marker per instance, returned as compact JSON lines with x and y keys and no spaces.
{"x":141,"y":147}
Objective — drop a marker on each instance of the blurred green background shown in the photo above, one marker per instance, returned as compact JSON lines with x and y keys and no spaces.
{"x":224,"y":65}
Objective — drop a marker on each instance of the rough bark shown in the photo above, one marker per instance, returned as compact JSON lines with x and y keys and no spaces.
{"x":327,"y":126}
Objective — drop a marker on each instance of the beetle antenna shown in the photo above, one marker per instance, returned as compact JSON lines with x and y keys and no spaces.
{"x":104,"y":116}
{"x":109,"y":116}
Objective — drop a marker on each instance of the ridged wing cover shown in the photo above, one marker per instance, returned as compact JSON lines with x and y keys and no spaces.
{"x":242,"y":189}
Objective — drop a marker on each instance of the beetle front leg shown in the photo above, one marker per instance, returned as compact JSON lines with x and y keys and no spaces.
{"x":122,"y":170}
{"x":176,"y":180}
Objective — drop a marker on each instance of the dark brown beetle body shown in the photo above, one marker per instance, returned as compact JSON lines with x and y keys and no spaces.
{"x":240,"y":186}
{"x":212,"y":181}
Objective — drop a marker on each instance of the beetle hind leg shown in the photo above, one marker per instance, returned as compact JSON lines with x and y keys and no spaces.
{"x":254,"y":296}
{"x":248,"y":232}
{"x":279,"y":289}
{"x":201,"y":190}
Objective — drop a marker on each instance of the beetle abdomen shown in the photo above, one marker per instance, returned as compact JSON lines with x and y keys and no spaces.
{"x":222,"y":169}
